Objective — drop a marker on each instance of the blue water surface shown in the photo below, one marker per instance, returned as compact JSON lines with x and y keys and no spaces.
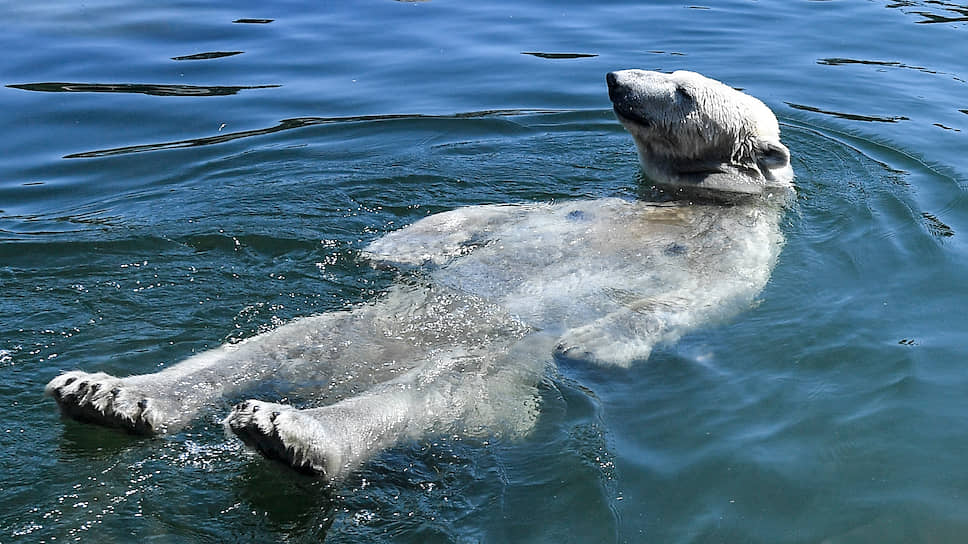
{"x":177,"y":175}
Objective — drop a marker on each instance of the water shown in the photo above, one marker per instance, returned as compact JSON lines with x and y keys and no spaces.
{"x":151,"y":208}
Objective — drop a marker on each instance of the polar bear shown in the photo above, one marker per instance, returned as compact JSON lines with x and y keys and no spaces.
{"x":488,"y":298}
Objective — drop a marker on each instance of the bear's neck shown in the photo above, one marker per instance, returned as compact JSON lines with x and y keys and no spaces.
{"x":778,"y":196}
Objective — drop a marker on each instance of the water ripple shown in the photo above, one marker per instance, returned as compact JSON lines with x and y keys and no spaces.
{"x":849,"y":116}
{"x":558,"y":56}
{"x":208,"y":55}
{"x":137,"y":88}
{"x":837,"y":61}
{"x":299,"y":122}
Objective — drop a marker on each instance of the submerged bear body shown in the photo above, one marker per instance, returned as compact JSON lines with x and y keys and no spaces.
{"x":607,"y":278}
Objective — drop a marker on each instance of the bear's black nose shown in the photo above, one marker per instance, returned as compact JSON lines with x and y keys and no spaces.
{"x":610,"y":79}
{"x":614,"y":88}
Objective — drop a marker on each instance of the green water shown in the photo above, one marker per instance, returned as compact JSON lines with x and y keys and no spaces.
{"x":151,"y":208}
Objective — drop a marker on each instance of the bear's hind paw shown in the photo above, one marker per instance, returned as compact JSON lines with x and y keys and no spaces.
{"x":102,"y":399}
{"x":275,"y":431}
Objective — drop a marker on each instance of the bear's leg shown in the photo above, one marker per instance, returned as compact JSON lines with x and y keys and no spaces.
{"x":329,"y":441}
{"x":453,"y":387}
{"x":160,"y":402}
{"x":168,"y":400}
{"x":334,"y":352}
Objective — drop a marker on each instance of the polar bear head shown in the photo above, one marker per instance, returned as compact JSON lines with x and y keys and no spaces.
{"x":692,"y":131}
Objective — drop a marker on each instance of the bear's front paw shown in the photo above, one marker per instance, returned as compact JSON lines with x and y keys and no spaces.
{"x":595,"y":345}
{"x":568,"y":351}
{"x":582,"y":344}
{"x":103,"y":399}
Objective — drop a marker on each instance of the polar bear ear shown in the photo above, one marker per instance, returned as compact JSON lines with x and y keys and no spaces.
{"x":771,"y":155}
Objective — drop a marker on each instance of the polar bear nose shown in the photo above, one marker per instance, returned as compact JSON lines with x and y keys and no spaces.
{"x":615,"y":86}
{"x":611,"y":79}
{"x":616,"y":90}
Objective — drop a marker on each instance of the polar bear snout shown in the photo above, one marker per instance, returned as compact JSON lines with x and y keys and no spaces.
{"x":636,"y":94}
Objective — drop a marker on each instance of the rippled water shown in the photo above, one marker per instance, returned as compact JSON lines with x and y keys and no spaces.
{"x":180,"y":175}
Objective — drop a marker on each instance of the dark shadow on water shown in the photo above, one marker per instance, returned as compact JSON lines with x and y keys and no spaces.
{"x":77,"y":221}
{"x":837,"y":61}
{"x":849,"y":116}
{"x":289,"y":124}
{"x":936,"y":226}
{"x":945,"y":127}
{"x":135,"y":88}
{"x":209,"y":55}
{"x":559,"y":55}
{"x":933,"y":11}
{"x":254,"y":21}
{"x":94,"y":441}
{"x":293,"y":502}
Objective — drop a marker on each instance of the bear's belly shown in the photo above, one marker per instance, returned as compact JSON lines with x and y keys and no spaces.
{"x":569,"y":264}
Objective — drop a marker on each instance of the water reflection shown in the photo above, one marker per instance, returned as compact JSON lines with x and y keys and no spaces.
{"x":559,"y":55}
{"x":299,"y":122}
{"x":836,"y":61}
{"x":891,"y":64}
{"x":208,"y":55}
{"x":286,"y":499}
{"x":943,"y":12}
{"x":937,"y":227}
{"x":22,"y":226}
{"x":148,"y":88}
{"x":850,"y":116}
